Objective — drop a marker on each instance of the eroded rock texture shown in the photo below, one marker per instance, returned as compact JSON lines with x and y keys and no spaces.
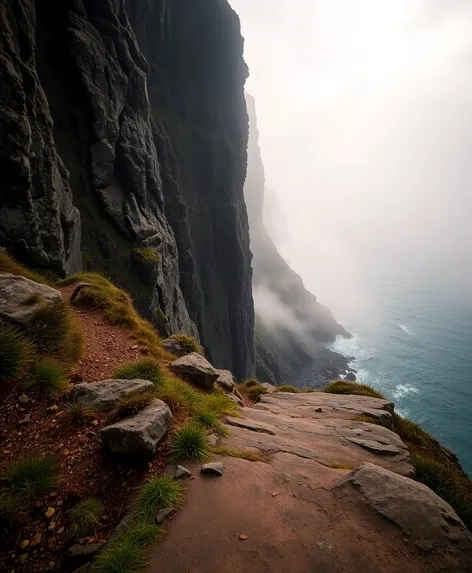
{"x":123,"y":134}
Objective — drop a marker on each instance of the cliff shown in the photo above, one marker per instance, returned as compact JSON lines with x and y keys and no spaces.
{"x":292,"y":327}
{"x":123,"y":133}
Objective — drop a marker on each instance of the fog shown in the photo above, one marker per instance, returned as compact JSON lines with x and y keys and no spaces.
{"x":365,"y":119}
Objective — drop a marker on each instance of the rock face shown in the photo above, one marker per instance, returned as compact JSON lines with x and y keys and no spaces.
{"x":293,"y":348}
{"x":123,"y":140}
{"x":104,"y":394}
{"x":139,"y":434}
{"x":16,"y":304}
{"x":197,"y":369}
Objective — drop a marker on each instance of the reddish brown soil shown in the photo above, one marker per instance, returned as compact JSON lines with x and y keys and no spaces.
{"x":85,"y":469}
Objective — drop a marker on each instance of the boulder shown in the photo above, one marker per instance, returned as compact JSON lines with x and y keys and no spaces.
{"x":225,"y":381}
{"x":14,"y":294}
{"x":174,"y":347}
{"x":350,"y":376}
{"x":104,"y":394}
{"x":270,"y":388}
{"x":234,"y":398}
{"x":197,"y":369}
{"x":430,"y":523}
{"x":215,"y":468}
{"x":139,"y":434}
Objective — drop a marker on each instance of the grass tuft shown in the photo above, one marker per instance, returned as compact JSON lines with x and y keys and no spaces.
{"x":344,"y":387}
{"x":10,"y":507}
{"x":144,"y":369}
{"x":368,"y":419}
{"x":77,"y":414}
{"x":187,"y":342}
{"x":9,"y":265}
{"x":252,"y":388}
{"x":158,"y":493}
{"x":130,"y":405}
{"x":120,"y":556}
{"x":49,"y":377}
{"x":32,"y":299}
{"x":190,"y":442}
{"x":16,"y":354}
{"x":30,"y":477}
{"x":339,"y":466}
{"x":85,"y":517}
{"x":147,"y":254}
{"x":288,"y":388}
{"x":237,"y":453}
{"x":178,"y":395}
{"x":250,"y":383}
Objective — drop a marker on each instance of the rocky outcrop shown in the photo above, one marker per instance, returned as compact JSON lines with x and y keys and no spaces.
{"x":196,"y":368}
{"x":103,"y":395}
{"x":123,"y":145}
{"x":20,"y":298}
{"x":292,"y":348}
{"x":138,"y":435}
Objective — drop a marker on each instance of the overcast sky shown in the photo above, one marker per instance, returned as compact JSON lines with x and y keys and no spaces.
{"x":365,"y":120}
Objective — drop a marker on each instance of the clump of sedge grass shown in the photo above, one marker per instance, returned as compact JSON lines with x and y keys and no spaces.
{"x":190,"y":442}
{"x":344,"y":387}
{"x":339,"y":466}
{"x":144,"y":369}
{"x":188,"y":343}
{"x":9,"y":265}
{"x":28,"y":478}
{"x":288,"y":388}
{"x":237,"y":453}
{"x":49,"y":377}
{"x":158,"y":493}
{"x":147,"y":254}
{"x":16,"y":354}
{"x":77,"y":414}
{"x":178,"y":395}
{"x":85,"y":517}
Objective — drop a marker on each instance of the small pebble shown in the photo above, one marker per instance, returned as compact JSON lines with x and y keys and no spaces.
{"x":50,"y":512}
{"x":23,"y":399}
{"x":243,"y":537}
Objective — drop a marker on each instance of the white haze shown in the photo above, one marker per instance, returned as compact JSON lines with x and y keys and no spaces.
{"x":365,"y":120}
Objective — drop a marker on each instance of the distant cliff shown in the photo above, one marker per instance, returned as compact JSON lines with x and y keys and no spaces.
{"x":123,"y":133}
{"x":292,"y":327}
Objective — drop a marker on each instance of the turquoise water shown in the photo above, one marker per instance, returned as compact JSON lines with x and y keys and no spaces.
{"x":417,"y":350}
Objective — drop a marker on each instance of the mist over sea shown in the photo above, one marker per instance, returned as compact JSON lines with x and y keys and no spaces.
{"x":418,"y":352}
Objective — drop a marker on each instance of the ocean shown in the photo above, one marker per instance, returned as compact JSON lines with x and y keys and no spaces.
{"x":415,"y":346}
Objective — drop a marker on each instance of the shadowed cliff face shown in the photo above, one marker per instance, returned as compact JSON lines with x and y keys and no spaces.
{"x":124,"y":128}
{"x":292,"y":327}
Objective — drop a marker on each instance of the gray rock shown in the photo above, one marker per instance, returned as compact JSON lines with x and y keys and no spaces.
{"x":225,"y":380}
{"x":15,"y":290}
{"x":23,"y":399}
{"x":375,"y":446}
{"x":237,"y":393}
{"x":103,"y":395}
{"x":139,"y":434}
{"x":25,"y":420}
{"x":123,"y":525}
{"x":215,"y":468}
{"x":350,"y":376}
{"x":236,"y":400}
{"x":182,"y":472}
{"x":174,"y":347}
{"x":163,"y":513}
{"x":318,"y":409}
{"x":81,"y":551}
{"x":270,"y":388}
{"x":213,"y":439}
{"x":420,"y":514}
{"x":196,"y":368}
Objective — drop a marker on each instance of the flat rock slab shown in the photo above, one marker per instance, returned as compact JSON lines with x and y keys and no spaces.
{"x":317,"y":522}
{"x":197,"y":369}
{"x":139,"y":434}
{"x":104,"y":394}
{"x":328,"y":437}
{"x":15,"y":291}
{"x":225,"y":380}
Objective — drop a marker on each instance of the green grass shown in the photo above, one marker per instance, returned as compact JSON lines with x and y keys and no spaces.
{"x":187,"y":342}
{"x":288,"y":388}
{"x":178,"y":395}
{"x":158,"y":493}
{"x":28,"y":478}
{"x":32,"y":299}
{"x":49,"y":377}
{"x":10,"y":508}
{"x":130,"y":405}
{"x":16,"y":354}
{"x":252,"y":388}
{"x":207,"y":417}
{"x":368,"y":419}
{"x":144,"y":369}
{"x":237,"y":453}
{"x":77,"y":414}
{"x":190,"y":442}
{"x":255,"y":392}
{"x":147,"y":254}
{"x":84,"y":518}
{"x":250,"y":383}
{"x":9,"y":265}
{"x":339,"y":466}
{"x":344,"y":387}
